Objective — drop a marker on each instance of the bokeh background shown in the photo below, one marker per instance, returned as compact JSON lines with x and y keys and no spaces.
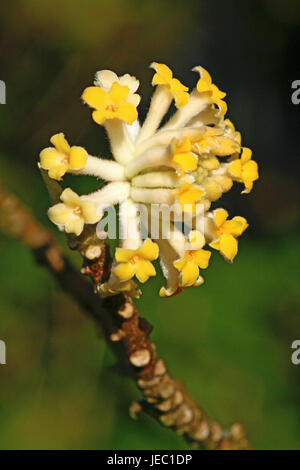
{"x":229,"y":340}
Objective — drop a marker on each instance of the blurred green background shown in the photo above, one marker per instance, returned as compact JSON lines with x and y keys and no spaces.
{"x":230,"y":340}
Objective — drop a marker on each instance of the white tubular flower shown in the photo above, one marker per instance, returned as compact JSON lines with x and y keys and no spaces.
{"x":164,"y":179}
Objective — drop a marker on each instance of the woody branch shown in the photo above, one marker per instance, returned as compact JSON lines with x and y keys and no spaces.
{"x":163,"y":397}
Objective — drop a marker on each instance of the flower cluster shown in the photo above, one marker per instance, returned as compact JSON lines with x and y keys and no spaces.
{"x":185,"y":164}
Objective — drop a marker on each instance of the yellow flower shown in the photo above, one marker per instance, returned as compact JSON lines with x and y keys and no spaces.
{"x":110,"y":105}
{"x":73,"y":212}
{"x":188,"y":196}
{"x":182,"y":155}
{"x":61,"y":158}
{"x":205,"y":85}
{"x":164,"y":76}
{"x":105,"y":78}
{"x":194,"y":259}
{"x":213,"y":141}
{"x":245,"y":170}
{"x":136,"y":262}
{"x":226,"y":233}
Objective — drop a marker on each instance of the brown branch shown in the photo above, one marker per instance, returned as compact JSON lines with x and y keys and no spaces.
{"x":164,"y":397}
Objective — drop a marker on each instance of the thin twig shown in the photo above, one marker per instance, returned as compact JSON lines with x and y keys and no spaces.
{"x":163,"y":397}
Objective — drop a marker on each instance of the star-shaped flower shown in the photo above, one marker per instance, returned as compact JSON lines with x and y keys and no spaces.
{"x":193,"y":259}
{"x":61,"y":158}
{"x":136,"y":262}
{"x":244,"y":170}
{"x":227,"y":231}
{"x":110,"y":105}
{"x":73,"y":212}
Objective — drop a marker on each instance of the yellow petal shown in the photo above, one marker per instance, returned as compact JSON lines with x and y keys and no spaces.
{"x":70,"y":198}
{"x":235,"y":168}
{"x":181,"y":98}
{"x":189,"y":274}
{"x":75,"y":225}
{"x":181,"y":145}
{"x":248,"y":186}
{"x":127,"y":112}
{"x":58,"y":171}
{"x":202,"y":258}
{"x":205,"y":75}
{"x":215,"y":244}
{"x":187,"y":161}
{"x":95,"y":97}
{"x":60,"y":143}
{"x":250,"y":171}
{"x":222,"y":107}
{"x":188,"y":196}
{"x":228,"y":246}
{"x":101,"y":115}
{"x":78,"y":157}
{"x":246,"y":155}
{"x":143,"y":270}
{"x":203,"y":86}
{"x":220,"y":215}
{"x":123,"y":256}
{"x":149,"y":250}
{"x":52,"y":160}
{"x":60,"y":214}
{"x":235,"y":226}
{"x":180,"y":93}
{"x":163,"y":74}
{"x":118,"y":93}
{"x":89,"y":212}
{"x":217,"y":94}
{"x":181,"y":262}
{"x":196,"y":239}
{"x":124,"y":271}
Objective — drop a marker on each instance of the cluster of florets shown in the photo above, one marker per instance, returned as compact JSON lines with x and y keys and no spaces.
{"x":185,"y":165}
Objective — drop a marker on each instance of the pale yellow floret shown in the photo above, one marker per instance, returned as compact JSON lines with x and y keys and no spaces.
{"x":164,"y":76}
{"x":62,"y":158}
{"x":73,"y":213}
{"x":136,"y":262}
{"x":227,"y":231}
{"x":245,"y":170}
{"x":193,"y":259}
{"x":110,"y":105}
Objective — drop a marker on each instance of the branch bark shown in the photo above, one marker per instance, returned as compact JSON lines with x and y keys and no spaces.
{"x":163,"y":397}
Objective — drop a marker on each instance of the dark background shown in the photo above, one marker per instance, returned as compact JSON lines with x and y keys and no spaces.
{"x":229,"y":340}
